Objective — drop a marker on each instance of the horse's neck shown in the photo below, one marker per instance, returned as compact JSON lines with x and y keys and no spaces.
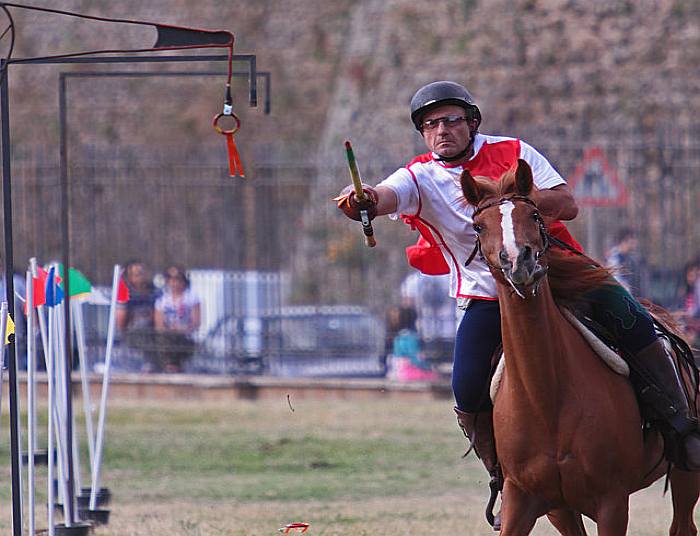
{"x":533,"y":346}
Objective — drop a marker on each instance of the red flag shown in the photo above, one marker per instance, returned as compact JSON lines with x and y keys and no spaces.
{"x":39,"y":284}
{"x":40,"y":287}
{"x":122,"y":291}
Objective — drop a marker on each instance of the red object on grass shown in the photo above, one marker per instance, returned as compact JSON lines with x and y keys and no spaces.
{"x":300,"y":527}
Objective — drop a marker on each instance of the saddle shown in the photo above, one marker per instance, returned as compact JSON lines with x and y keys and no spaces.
{"x":595,"y":335}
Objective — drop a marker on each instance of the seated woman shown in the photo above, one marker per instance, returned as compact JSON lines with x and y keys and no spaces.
{"x":177,"y":317}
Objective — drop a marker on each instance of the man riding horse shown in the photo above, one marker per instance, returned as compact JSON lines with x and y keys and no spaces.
{"x":427,"y":194}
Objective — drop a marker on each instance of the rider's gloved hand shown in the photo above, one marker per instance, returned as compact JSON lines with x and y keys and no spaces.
{"x":351,"y":207}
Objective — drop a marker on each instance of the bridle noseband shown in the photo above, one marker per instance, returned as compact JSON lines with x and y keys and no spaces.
{"x":546,"y":237}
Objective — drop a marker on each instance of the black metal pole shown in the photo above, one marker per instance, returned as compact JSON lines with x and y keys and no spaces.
{"x":65,"y":233}
{"x":10,"y":295}
{"x":252,"y":81}
{"x":264,"y":75}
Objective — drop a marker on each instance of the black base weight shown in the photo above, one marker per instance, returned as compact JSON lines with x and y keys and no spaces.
{"x":98,"y":517}
{"x":41,"y":457}
{"x":76,"y":529}
{"x":103,"y":497}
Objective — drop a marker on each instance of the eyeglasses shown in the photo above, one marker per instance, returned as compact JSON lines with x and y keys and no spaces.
{"x":449,"y":121}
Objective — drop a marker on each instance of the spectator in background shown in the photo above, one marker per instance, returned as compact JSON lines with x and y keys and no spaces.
{"x":177,"y":317}
{"x":627,"y":264}
{"x":136,"y":318}
{"x":392,"y":328}
{"x":688,"y":305}
{"x":407,"y":360}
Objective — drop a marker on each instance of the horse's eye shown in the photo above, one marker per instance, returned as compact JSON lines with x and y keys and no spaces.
{"x":478,"y":228}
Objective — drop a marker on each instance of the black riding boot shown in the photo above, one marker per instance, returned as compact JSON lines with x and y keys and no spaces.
{"x":671,"y":404}
{"x":478,"y":429}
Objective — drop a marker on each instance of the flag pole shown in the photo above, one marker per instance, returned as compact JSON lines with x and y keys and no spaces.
{"x":65,"y":430}
{"x":105,"y":389}
{"x":3,"y":324}
{"x":41,"y":316}
{"x":40,"y":310}
{"x":82,"y":360}
{"x":3,"y":327}
{"x":31,"y":400}
{"x":49,"y":356}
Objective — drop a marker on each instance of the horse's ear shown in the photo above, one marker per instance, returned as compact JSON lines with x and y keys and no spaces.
{"x":470,"y":188}
{"x":523,"y":178}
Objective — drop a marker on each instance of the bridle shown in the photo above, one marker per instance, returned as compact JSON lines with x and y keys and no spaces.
{"x":547,"y":239}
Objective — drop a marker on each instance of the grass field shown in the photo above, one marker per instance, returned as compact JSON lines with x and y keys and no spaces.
{"x":379,"y":468}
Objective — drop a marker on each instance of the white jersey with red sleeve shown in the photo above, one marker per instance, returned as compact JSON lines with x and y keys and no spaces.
{"x":429,"y":190}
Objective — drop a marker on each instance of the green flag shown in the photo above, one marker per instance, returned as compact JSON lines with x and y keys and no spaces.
{"x":79,"y":284}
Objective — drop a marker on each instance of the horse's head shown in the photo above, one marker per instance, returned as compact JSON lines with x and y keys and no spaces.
{"x":510,"y":231}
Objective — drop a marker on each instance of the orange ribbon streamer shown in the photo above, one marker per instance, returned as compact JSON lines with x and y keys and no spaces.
{"x":234,"y":159}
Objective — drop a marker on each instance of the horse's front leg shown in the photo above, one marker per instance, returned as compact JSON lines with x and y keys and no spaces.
{"x":685,"y":488}
{"x":519,"y":511}
{"x":567,"y":522}
{"x":613,"y":514}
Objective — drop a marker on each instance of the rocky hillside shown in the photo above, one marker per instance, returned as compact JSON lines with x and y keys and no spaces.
{"x":348,"y":68}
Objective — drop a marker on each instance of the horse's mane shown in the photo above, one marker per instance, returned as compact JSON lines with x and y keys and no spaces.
{"x":572,"y":276}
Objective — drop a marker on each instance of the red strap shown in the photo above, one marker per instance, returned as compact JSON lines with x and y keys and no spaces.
{"x":234,"y":159}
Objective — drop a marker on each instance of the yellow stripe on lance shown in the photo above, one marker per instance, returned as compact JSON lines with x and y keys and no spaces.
{"x":360,"y":195}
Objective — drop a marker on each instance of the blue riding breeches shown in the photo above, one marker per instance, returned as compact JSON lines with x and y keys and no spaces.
{"x":479,"y":334}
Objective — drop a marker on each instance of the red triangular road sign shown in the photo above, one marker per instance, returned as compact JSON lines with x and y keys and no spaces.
{"x":595,"y":183}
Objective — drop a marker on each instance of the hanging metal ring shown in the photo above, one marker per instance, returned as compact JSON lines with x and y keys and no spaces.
{"x":225,"y":132}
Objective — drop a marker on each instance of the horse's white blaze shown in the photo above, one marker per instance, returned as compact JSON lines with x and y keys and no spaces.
{"x":508,"y":232}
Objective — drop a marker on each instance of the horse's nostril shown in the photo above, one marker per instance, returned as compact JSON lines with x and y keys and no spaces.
{"x":503,"y":257}
{"x":526,"y":253}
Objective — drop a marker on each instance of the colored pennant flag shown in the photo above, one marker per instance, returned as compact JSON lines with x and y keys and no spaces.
{"x":39,"y":294}
{"x":80,"y":286}
{"x":39,"y":283}
{"x":54,"y":293}
{"x":9,"y":328}
{"x":122,"y":291}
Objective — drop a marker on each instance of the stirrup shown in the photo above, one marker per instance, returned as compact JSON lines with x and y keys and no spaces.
{"x":495,"y":486}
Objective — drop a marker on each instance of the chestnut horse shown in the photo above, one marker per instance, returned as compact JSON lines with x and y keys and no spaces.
{"x":568,"y":430}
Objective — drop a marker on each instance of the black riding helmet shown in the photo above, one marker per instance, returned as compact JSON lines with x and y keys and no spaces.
{"x":441,"y":93}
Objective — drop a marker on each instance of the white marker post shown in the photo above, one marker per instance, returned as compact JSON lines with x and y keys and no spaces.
{"x":31,"y":399}
{"x":105,"y":390}
{"x":49,"y":354}
{"x":84,"y":380}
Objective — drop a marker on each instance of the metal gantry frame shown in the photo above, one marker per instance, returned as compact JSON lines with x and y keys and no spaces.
{"x":65,"y":206}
